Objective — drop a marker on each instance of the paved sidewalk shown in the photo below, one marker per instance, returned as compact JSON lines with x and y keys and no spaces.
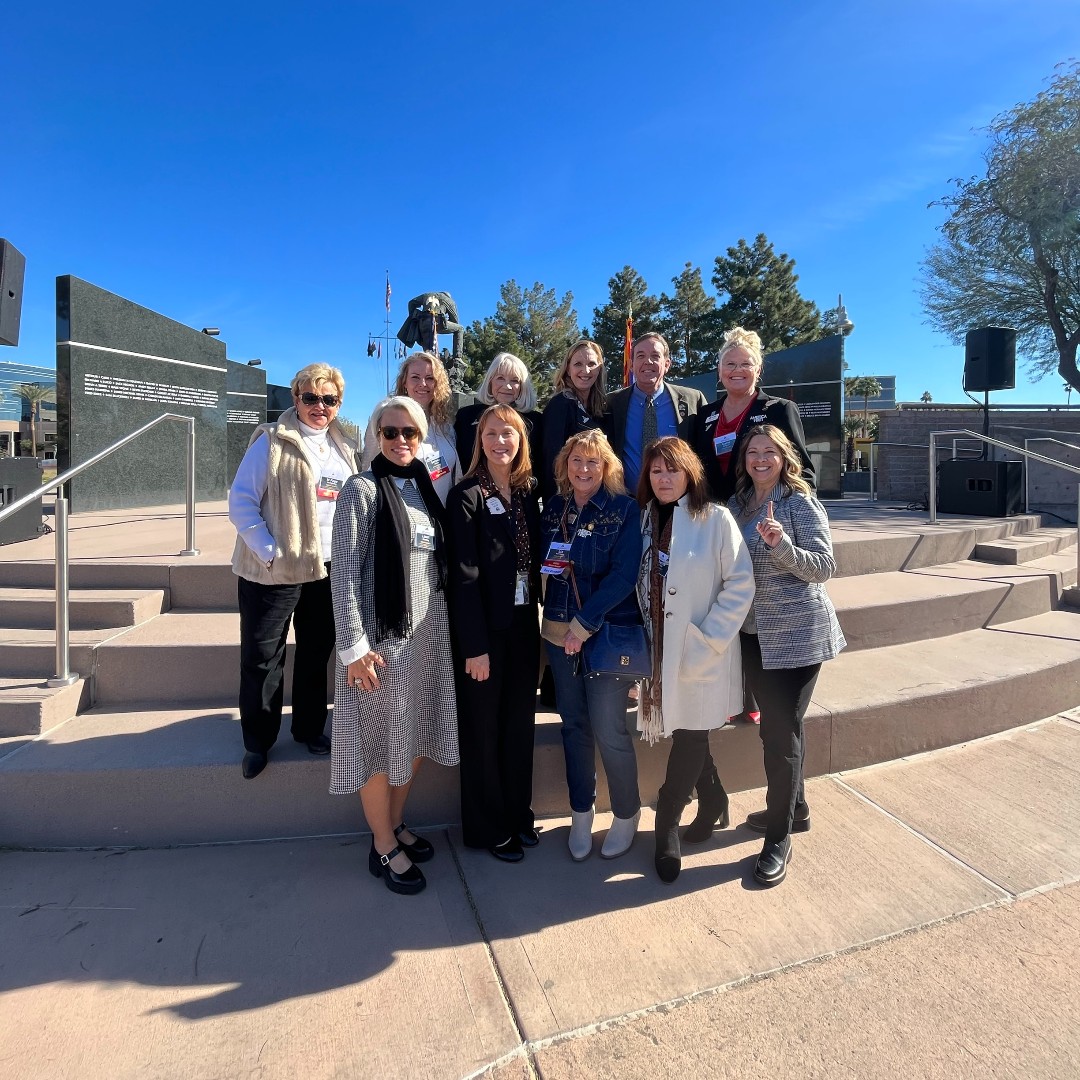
{"x":929,"y":926}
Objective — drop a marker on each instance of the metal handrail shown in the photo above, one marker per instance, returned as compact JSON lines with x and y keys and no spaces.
{"x":1026,"y":454}
{"x":1041,"y":438}
{"x":64,"y":675}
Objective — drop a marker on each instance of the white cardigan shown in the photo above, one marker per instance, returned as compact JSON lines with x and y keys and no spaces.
{"x":707,"y":593}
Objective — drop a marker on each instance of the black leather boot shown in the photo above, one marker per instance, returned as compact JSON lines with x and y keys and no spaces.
{"x":712,"y":810}
{"x":668,"y":850}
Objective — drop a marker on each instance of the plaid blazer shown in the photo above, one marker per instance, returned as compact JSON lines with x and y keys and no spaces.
{"x":796,"y":621}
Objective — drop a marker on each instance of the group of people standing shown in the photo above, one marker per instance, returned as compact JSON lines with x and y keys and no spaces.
{"x":643,"y":541}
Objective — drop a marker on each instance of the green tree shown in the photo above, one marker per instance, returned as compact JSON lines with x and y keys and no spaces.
{"x":762,"y":295}
{"x":1010,"y":249}
{"x":34,"y":394}
{"x":627,"y":291}
{"x":689,"y":323}
{"x":852,"y":429}
{"x":866,"y":387}
{"x":532,"y":323}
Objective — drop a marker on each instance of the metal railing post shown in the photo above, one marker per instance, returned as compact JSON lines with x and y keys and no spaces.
{"x":190,"y":548}
{"x":64,"y":675}
{"x":932,"y":494}
{"x":1027,"y":500}
{"x":871,"y":472}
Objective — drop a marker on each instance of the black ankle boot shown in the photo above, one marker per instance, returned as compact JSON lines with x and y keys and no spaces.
{"x":668,"y":851}
{"x":712,"y":810}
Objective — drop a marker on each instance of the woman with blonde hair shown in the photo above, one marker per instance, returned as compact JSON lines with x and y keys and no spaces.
{"x":495,"y":587}
{"x":591,"y":540}
{"x":695,"y":587}
{"x":423,"y":378}
{"x":507,"y":382}
{"x":578,"y":404}
{"x":791,"y":628}
{"x":394,"y":702}
{"x":282,"y":502}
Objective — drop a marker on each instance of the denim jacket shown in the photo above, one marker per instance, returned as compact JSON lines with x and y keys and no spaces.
{"x":605,"y":552}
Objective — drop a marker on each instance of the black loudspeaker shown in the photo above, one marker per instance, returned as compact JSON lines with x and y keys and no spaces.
{"x":990,"y":358}
{"x":12,"y":268}
{"x":980,"y":488}
{"x":18,"y":477}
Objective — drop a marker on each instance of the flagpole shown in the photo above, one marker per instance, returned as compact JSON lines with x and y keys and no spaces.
{"x":387,"y":332}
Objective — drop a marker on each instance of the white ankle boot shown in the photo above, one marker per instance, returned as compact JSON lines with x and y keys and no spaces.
{"x":619,"y":837}
{"x":581,"y":834}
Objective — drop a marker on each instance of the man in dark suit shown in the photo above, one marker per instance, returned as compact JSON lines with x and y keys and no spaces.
{"x":650,"y":408}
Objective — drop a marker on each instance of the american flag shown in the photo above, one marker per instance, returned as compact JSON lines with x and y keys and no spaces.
{"x":387,"y":294}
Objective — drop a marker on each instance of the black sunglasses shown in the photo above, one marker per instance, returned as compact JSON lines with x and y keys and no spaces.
{"x":331,"y":401}
{"x":391,"y":433}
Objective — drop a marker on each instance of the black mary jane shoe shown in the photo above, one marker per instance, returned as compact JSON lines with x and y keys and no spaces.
{"x":411,"y":881}
{"x":420,"y":850}
{"x":508,"y":851}
{"x":529,"y":837}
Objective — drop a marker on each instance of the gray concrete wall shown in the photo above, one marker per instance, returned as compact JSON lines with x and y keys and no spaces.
{"x":902,"y":472}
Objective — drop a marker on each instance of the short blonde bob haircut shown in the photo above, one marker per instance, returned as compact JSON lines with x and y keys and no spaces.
{"x":440,"y":403}
{"x":309,"y":377}
{"x":508,"y":363}
{"x":678,"y":455}
{"x":400,"y":401}
{"x":791,"y":478}
{"x":738,"y":338}
{"x":521,"y":467}
{"x":596,"y":404}
{"x":594,"y":443}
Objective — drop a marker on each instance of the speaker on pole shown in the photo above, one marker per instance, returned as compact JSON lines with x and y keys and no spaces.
{"x":12,"y":267}
{"x":990,"y":358}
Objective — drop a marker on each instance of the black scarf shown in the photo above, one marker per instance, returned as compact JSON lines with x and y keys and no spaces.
{"x":393,"y":544}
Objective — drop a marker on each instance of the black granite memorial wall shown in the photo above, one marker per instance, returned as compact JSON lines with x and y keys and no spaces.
{"x":247,"y":409}
{"x":119,"y":366}
{"x":811,"y":376}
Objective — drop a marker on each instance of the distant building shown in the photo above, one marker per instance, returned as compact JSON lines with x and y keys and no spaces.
{"x":15,"y":410}
{"x":885,"y":401}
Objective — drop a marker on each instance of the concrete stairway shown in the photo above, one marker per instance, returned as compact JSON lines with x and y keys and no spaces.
{"x":943,"y":646}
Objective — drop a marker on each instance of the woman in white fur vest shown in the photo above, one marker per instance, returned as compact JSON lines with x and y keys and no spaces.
{"x":282,"y":503}
{"x":695,"y":587}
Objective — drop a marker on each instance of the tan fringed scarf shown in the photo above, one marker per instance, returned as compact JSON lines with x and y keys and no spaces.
{"x":652,"y":690}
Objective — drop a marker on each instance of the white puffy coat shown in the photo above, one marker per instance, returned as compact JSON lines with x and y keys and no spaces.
{"x":707,"y":593}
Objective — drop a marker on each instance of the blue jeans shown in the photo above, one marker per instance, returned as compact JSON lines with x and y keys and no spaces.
{"x":591,"y":707}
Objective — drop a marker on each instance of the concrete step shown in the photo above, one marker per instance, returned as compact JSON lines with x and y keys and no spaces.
{"x":205,"y":582}
{"x":894,"y":607}
{"x":145,"y":776}
{"x":30,"y":653}
{"x":88,"y":609}
{"x":29,"y":707}
{"x":1027,"y":547}
{"x":922,"y":695}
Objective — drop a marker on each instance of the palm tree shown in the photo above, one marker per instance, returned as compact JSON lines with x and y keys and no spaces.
{"x":866,"y":387}
{"x":35,"y":394}
{"x":852,"y":427}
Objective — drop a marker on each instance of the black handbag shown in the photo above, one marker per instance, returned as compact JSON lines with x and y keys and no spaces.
{"x":618,"y":650}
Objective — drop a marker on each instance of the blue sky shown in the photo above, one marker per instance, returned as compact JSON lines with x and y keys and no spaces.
{"x":259,"y":167}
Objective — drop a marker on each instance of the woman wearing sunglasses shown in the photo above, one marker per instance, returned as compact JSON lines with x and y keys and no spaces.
{"x":394,"y":699}
{"x":282,"y":503}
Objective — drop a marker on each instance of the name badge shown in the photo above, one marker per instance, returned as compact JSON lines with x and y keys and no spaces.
{"x":437,"y":467}
{"x":557,"y":560}
{"x":521,"y":591}
{"x":423,"y":538}
{"x":329,"y":487}
{"x":495,"y":505}
{"x":724,"y":444}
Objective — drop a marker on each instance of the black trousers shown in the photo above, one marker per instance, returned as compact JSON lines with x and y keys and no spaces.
{"x":689,"y":764}
{"x":265,"y":614}
{"x":496,"y":718}
{"x":783,"y":695}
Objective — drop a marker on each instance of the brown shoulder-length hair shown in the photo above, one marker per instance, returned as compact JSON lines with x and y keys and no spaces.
{"x":596,"y":403}
{"x":521,"y":467}
{"x":440,"y":403}
{"x":593,"y":441}
{"x":677,"y":454}
{"x":790,"y":475}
